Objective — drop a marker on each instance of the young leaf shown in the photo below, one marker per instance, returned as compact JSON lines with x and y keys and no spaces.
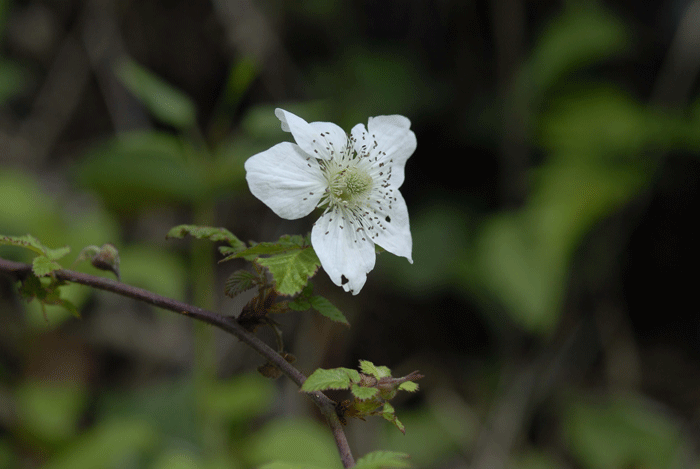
{"x":27,"y":241}
{"x":104,"y":258}
{"x":363,"y":393}
{"x":240,"y":281}
{"x":382,"y":459}
{"x":284,"y":244}
{"x":30,"y":242}
{"x":336,"y":378}
{"x":43,"y":266}
{"x":371,"y":369}
{"x":206,"y":232}
{"x":291,"y":270}
{"x":327,"y":309}
{"x":390,"y":414}
{"x":409,"y":386}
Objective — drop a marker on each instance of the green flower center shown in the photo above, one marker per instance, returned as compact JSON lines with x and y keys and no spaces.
{"x":351,"y":183}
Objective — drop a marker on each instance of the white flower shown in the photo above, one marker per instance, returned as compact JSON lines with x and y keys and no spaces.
{"x":356,"y":177}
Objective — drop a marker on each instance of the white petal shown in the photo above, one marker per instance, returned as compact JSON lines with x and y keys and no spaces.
{"x":318,"y":139}
{"x":391,"y":227}
{"x":286,"y":179}
{"x":395,"y":143}
{"x":346,"y":255}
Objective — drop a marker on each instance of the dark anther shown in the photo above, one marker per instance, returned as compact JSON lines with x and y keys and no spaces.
{"x":343,"y":280}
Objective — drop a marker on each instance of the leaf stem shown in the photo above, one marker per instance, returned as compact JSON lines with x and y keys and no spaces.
{"x":20,"y":270}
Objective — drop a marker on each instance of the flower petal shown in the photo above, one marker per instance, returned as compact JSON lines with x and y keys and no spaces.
{"x":395,"y":143}
{"x":392,"y":230}
{"x":318,"y":139}
{"x":286,"y":179}
{"x":345,"y":254}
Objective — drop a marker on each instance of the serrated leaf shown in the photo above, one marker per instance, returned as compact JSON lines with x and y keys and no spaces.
{"x":206,"y":232}
{"x":382,"y":459}
{"x":390,"y":414}
{"x":327,"y":309}
{"x":363,"y":393}
{"x":43,"y":266}
{"x":165,"y":102}
{"x":55,"y":254}
{"x":292,"y":270}
{"x":30,"y":242}
{"x":284,"y":244}
{"x":409,"y":386}
{"x":239,"y":281}
{"x":369,"y":368}
{"x":335,"y":378}
{"x":299,"y":304}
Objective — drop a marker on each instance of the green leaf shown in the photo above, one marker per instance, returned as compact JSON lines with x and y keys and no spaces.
{"x":13,"y":78}
{"x":389,"y":413}
{"x":284,"y":244}
{"x":336,"y":378}
{"x":369,"y":368}
{"x":27,"y":241}
{"x":101,"y":446}
{"x":409,"y":386}
{"x":382,"y":459}
{"x":205,"y":232}
{"x":240,"y":281}
{"x":326,"y":308}
{"x":165,"y":102}
{"x":622,"y":431}
{"x":43,"y":264}
{"x":140,"y":169}
{"x":363,"y":393}
{"x":292,"y":270}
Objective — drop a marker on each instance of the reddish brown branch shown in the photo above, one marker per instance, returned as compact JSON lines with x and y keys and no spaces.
{"x":20,"y":270}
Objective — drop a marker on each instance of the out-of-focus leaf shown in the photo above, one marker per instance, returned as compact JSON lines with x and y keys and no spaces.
{"x":12,"y":76}
{"x":110,"y":444}
{"x":583,"y":34}
{"x":289,"y":465}
{"x":182,"y":459}
{"x":240,"y":398}
{"x":140,"y":169}
{"x":524,"y":257}
{"x":602,"y":121}
{"x":442,"y":233}
{"x":383,"y":459}
{"x":622,"y":432}
{"x":294,"y":441}
{"x":159,"y":271}
{"x":240,"y":76}
{"x":50,"y":411}
{"x":166,"y":103}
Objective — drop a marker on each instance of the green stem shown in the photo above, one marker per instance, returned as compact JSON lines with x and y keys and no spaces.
{"x":205,"y":366}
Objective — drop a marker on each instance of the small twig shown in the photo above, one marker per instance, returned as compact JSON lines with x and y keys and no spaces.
{"x":327,"y":407}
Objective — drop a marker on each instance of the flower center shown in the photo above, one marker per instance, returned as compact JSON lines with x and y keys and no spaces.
{"x":351,"y":183}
